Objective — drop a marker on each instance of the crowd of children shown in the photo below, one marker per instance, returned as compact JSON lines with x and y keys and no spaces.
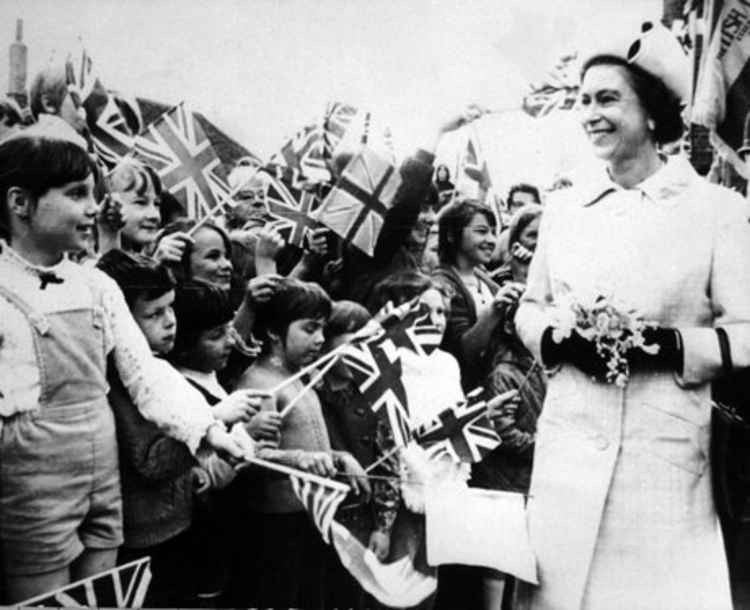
{"x":134,"y":341}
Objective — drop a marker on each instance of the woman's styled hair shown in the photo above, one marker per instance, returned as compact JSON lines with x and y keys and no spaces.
{"x":657,"y":100}
{"x":293,"y":300}
{"x":182,"y":271}
{"x":131,"y":175}
{"x":346,"y":317}
{"x":453,"y":220}
{"x":198,"y":307}
{"x":38,"y":164}
{"x":138,"y":276}
{"x":403,"y":286}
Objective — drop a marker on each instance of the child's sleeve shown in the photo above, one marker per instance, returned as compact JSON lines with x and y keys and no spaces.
{"x":159,"y":392}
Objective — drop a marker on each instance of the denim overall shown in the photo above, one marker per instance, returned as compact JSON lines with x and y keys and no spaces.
{"x":59,"y":478}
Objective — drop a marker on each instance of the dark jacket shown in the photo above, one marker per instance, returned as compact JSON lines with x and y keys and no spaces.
{"x":155,"y":471}
{"x":360,"y":273}
{"x":462,"y":316}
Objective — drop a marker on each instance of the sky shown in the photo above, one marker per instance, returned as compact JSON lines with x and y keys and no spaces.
{"x":260,"y":69}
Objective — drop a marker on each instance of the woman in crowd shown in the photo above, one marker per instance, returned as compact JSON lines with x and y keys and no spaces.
{"x":466,"y":242}
{"x":620,"y":507}
{"x":508,"y":468}
{"x":60,"y":506}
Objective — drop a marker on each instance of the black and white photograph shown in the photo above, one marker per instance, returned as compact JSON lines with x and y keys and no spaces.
{"x":375,"y":305}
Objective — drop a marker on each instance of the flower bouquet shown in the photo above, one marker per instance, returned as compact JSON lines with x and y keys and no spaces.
{"x":612,"y":328}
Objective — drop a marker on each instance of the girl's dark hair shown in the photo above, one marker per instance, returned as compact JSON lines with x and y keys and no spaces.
{"x":657,"y":99}
{"x":401,"y":287}
{"x":453,"y":220}
{"x":346,"y":317}
{"x":137,"y":276}
{"x":198,"y":307}
{"x":293,"y":300}
{"x":522,"y":219}
{"x":182,"y":271}
{"x":38,"y":164}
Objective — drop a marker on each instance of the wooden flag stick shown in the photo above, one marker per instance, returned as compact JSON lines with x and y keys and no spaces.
{"x":309,"y":386}
{"x":303,"y":371}
{"x":295,"y":473}
{"x":382,"y":459}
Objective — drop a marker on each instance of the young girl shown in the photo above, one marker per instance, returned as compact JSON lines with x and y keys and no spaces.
{"x":203,"y":255}
{"x":287,"y":569}
{"x":136,"y":189}
{"x":60,"y":507}
{"x":466,"y":242}
{"x":432,"y":382}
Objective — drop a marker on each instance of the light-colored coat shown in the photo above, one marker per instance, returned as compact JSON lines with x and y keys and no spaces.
{"x":621,"y":513}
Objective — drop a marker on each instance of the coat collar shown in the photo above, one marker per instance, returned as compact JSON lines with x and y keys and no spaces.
{"x":663,"y":187}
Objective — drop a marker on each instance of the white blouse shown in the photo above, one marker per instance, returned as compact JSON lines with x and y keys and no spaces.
{"x":161,"y":394}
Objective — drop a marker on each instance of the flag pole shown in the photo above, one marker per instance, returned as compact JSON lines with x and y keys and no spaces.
{"x":310,"y":385}
{"x":303,"y":371}
{"x":293,"y":472}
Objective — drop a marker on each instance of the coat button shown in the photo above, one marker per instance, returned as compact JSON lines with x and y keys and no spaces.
{"x":359,"y":411}
{"x":365,"y":440}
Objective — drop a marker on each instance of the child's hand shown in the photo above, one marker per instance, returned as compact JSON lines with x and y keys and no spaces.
{"x":240,"y":405}
{"x":317,"y":243}
{"x":502,"y":410}
{"x":261,"y":288}
{"x":317,"y":462}
{"x":171,"y":248}
{"x":380,"y":544}
{"x":269,"y":243}
{"x":265,"y":425}
{"x":201,"y":480}
{"x":508,"y":296}
{"x":110,"y":218}
{"x":355,"y":474}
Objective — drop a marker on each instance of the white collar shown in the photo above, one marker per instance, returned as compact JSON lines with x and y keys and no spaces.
{"x":205,"y":380}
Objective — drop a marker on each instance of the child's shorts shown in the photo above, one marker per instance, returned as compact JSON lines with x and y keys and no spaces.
{"x":59,"y":487}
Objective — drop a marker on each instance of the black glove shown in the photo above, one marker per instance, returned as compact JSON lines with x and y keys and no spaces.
{"x":575,"y":350}
{"x":669,"y":357}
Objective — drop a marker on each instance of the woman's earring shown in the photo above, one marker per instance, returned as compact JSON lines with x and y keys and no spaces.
{"x":651,"y":124}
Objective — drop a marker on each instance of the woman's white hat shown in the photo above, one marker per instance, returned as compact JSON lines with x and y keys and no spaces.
{"x":655,"y":49}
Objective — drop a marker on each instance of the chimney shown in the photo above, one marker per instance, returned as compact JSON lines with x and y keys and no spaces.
{"x":18,"y":60}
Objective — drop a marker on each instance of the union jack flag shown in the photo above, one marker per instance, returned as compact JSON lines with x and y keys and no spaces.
{"x":558,"y":91}
{"x":304,"y":154}
{"x":474,"y":167}
{"x":337,"y":120}
{"x":414,"y":329}
{"x":321,"y":497}
{"x":291,"y":210}
{"x":356,"y":207}
{"x":376,"y":370}
{"x":113,"y":121}
{"x":176,"y":146}
{"x":464,"y":432}
{"x":122,"y":587}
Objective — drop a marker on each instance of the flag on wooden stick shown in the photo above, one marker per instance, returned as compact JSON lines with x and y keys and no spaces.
{"x":722,"y":97}
{"x":356,"y":207}
{"x":122,"y":587}
{"x":176,"y":146}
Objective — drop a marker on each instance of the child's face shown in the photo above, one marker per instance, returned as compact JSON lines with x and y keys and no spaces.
{"x":141,"y":216}
{"x":209,"y":260}
{"x":64,"y":217}
{"x":438,"y":311}
{"x":211,"y":351}
{"x":157,"y":321}
{"x":303,"y":342}
{"x":478,"y":241}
